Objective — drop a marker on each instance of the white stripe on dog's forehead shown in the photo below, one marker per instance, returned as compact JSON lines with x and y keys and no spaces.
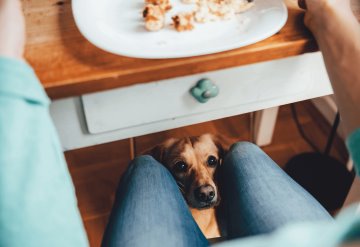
{"x":206,"y":146}
{"x":199,"y":151}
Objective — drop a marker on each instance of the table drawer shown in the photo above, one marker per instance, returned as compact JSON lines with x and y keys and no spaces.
{"x":152,"y":107}
{"x":169,"y":99}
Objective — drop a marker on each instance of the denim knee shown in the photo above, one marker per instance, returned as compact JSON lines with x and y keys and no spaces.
{"x":244,"y":149}
{"x":145,"y":164}
{"x":239,"y":152}
{"x":247,"y":156}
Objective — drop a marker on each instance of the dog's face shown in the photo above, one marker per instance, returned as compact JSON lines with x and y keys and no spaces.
{"x":193,"y":161}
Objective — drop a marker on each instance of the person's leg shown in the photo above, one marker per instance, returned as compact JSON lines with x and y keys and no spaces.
{"x":149,"y":210}
{"x":259,"y":196}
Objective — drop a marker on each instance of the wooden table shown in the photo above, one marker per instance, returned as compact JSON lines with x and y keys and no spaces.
{"x":68,"y":65}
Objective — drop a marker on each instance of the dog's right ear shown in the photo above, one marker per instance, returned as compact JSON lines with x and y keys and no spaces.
{"x":159,"y":151}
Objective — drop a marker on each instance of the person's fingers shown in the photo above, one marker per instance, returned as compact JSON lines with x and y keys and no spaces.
{"x":12,"y":29}
{"x":302,"y":4}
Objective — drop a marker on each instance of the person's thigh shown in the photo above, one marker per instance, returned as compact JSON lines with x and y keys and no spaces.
{"x":149,"y":210}
{"x":259,"y":196}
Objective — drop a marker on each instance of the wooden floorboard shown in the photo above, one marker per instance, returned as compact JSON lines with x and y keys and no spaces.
{"x":96,"y":170}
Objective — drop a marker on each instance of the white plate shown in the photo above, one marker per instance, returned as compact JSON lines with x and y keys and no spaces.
{"x":117,"y":27}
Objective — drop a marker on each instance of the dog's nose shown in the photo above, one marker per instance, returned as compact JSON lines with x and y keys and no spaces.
{"x":205,"y":193}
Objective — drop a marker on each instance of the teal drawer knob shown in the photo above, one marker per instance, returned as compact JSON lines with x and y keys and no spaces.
{"x":204,"y":90}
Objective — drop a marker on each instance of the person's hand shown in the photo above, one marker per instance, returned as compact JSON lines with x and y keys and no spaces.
{"x":12,"y":29}
{"x":337,"y":32}
{"x":319,"y":11}
{"x":315,"y":5}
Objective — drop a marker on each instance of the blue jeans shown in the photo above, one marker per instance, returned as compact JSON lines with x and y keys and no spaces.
{"x":258,"y":197}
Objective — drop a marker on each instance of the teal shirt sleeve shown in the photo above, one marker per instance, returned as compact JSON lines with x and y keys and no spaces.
{"x":38,"y":205}
{"x":353,"y":144}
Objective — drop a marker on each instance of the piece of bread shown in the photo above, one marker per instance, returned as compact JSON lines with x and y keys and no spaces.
{"x":205,"y":11}
{"x":221,"y":10}
{"x":154,"y":17}
{"x":183,"y":22}
{"x":202,"y":13}
{"x":164,"y":4}
{"x":213,"y":10}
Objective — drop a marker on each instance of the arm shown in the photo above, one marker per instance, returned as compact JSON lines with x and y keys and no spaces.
{"x":12,"y":29}
{"x":337,"y":32}
{"x":37,"y":200}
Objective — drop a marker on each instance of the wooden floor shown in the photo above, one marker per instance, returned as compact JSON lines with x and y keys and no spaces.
{"x":96,"y":170}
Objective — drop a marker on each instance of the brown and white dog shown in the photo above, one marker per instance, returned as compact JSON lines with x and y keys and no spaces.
{"x":193,"y":161}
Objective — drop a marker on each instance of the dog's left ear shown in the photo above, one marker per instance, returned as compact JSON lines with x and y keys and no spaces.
{"x":159,"y":151}
{"x":223,"y":144}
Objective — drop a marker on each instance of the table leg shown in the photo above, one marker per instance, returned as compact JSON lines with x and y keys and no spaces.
{"x":264,"y":125}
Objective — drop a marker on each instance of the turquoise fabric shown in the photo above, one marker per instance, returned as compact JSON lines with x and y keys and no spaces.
{"x":353,"y":144}
{"x":37,"y":201}
{"x":344,"y":229}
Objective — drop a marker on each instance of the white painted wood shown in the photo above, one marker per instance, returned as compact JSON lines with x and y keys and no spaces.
{"x":168,"y":99}
{"x":167,"y":104}
{"x":328,"y":108}
{"x":264,"y":125}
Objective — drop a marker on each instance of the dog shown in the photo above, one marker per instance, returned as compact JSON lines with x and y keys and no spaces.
{"x":194,"y":163}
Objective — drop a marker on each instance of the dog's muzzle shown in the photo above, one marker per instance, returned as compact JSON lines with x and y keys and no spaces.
{"x":205,"y":194}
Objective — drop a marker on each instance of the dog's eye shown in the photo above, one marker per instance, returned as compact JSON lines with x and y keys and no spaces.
{"x":181,"y":166}
{"x":212,"y":161}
